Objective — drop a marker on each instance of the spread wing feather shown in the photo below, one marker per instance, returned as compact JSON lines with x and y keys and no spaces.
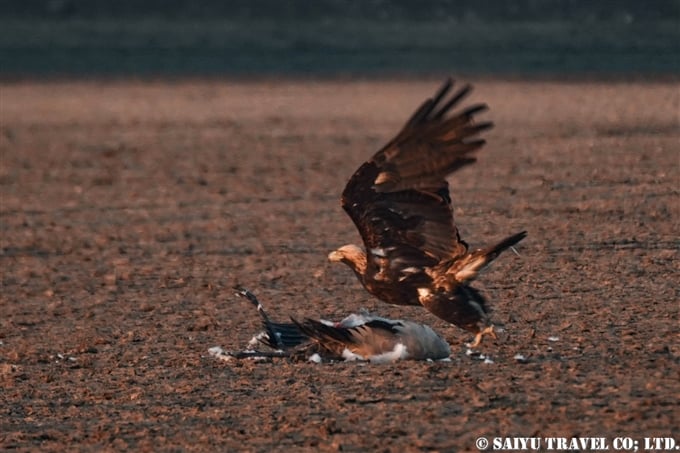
{"x":373,"y":337}
{"x":399,"y":199}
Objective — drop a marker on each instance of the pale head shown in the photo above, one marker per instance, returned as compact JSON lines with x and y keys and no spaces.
{"x":349,"y":252}
{"x":352,"y":255}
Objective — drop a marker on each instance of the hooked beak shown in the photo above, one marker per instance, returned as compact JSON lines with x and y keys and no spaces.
{"x":335,"y":256}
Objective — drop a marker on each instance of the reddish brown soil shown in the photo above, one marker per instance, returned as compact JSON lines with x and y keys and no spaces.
{"x":129,"y":210}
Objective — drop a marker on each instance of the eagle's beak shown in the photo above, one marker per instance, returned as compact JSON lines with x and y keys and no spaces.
{"x":335,"y":256}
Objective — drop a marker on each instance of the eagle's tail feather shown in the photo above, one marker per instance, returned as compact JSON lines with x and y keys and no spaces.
{"x":468,"y":268}
{"x":492,"y":252}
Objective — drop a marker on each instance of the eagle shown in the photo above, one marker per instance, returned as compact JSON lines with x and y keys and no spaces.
{"x":359,"y":336}
{"x":399,"y":201}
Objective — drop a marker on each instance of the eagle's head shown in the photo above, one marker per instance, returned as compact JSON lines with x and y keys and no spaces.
{"x":346,"y":253}
{"x":352,"y":255}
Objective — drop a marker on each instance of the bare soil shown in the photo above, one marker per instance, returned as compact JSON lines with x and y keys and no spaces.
{"x":130,"y":209}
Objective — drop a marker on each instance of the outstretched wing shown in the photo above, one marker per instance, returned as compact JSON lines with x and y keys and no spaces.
{"x":376,"y":336}
{"x":279,"y":335}
{"x":399,"y":199}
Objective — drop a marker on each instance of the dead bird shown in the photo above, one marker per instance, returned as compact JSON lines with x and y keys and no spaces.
{"x":359,"y":336}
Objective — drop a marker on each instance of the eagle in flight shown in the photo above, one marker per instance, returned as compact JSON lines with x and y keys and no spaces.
{"x":399,"y":201}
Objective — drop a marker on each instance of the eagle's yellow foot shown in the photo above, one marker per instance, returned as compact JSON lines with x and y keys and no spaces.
{"x":478,"y":338}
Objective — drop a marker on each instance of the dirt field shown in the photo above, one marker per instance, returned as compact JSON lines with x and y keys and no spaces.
{"x":129,"y":210}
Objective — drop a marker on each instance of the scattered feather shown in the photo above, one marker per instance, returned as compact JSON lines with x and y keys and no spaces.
{"x":220,"y":354}
{"x":521,"y":358}
{"x":257,"y":340}
{"x":349,"y":356}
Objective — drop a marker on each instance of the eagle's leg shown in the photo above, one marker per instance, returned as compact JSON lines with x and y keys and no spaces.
{"x":488,"y":330}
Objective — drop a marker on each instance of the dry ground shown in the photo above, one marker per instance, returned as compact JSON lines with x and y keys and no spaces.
{"x":129,"y":210}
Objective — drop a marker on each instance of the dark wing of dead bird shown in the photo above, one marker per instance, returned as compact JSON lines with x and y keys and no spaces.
{"x":399,"y":199}
{"x":373,"y":337}
{"x":280,"y":335}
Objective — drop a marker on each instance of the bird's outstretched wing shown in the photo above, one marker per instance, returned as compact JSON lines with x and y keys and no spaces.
{"x":279,"y":335}
{"x":373,"y":337}
{"x":399,"y":199}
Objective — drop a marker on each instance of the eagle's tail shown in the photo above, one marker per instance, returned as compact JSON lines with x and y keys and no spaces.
{"x":278,"y":335}
{"x":468,"y":268}
{"x":492,"y":252}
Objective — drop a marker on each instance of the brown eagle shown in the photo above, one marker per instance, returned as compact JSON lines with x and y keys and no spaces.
{"x":399,"y":201}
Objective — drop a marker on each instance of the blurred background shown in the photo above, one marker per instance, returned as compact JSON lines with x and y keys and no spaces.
{"x":296,"y":38}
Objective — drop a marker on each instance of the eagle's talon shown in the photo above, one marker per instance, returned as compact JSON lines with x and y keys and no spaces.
{"x":489,"y":330}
